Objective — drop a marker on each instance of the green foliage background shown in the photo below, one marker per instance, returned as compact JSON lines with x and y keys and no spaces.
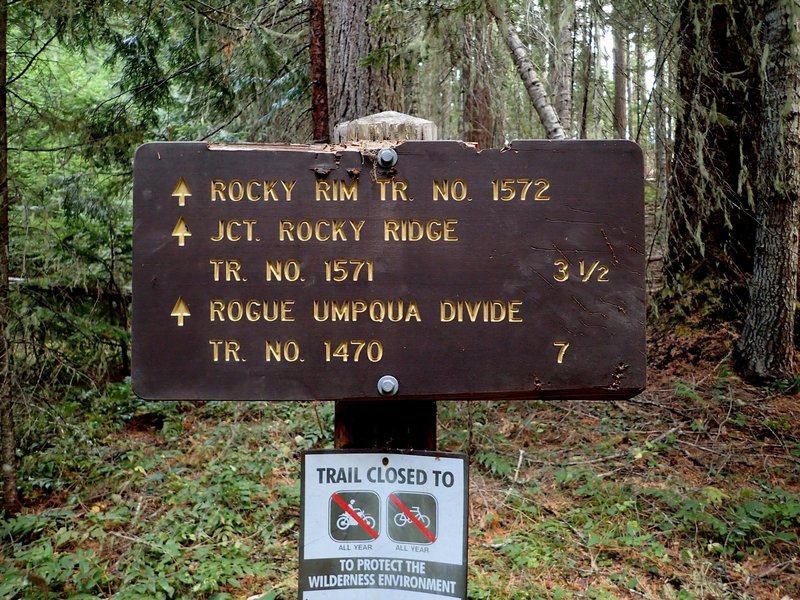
{"x":171,"y":500}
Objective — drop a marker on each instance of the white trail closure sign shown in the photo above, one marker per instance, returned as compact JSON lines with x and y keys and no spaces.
{"x":394,"y":522}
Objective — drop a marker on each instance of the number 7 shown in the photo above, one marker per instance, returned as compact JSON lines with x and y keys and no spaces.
{"x":562,"y":350}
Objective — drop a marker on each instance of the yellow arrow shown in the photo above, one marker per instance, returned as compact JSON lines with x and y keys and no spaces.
{"x":181,"y":231}
{"x":180,"y":310}
{"x":181,"y":191}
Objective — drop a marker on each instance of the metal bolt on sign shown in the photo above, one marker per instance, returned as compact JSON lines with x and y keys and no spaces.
{"x":388,"y":385}
{"x":387,"y":158}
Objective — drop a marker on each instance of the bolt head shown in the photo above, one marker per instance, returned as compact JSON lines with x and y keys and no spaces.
{"x":387,"y":157}
{"x":388,"y":386}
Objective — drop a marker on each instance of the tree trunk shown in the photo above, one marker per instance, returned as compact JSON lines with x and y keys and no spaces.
{"x":766,"y":348}
{"x":479,"y":113}
{"x":659,"y":100}
{"x":360,"y":79}
{"x":530,"y":78}
{"x":319,"y":77}
{"x":8,"y":445}
{"x":563,"y":64}
{"x":587,"y":80}
{"x":599,"y":103}
{"x":710,"y":224}
{"x":620,"y":79}
{"x":640,"y":104}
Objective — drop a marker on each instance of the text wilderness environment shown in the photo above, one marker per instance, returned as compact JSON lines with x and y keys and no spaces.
{"x":308,"y":273}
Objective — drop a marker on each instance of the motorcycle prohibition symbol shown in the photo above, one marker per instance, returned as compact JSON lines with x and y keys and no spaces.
{"x":401,"y":519}
{"x":346,"y":520}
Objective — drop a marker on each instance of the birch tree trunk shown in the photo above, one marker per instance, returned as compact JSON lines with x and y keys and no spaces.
{"x":766,"y":348}
{"x":530,"y":78}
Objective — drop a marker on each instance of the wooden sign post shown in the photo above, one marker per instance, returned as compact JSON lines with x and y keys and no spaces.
{"x":395,"y":424}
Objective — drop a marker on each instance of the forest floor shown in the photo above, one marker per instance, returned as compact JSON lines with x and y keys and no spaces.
{"x":689,"y":491}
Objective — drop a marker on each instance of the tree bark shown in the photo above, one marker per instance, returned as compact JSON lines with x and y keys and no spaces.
{"x":530,"y":78}
{"x":710,"y":223}
{"x":360,"y":78}
{"x":476,"y":66}
{"x":319,"y":76}
{"x":8,"y":445}
{"x":620,"y":79}
{"x":639,"y":105}
{"x":587,"y":80}
{"x":766,"y":348}
{"x":564,"y":64}
{"x":659,"y":99}
{"x":599,"y":102}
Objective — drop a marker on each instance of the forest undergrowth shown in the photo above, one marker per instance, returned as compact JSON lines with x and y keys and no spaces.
{"x":689,"y":491}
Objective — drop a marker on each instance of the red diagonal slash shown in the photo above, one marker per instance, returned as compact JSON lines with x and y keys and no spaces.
{"x":399,"y":504}
{"x":349,"y":510}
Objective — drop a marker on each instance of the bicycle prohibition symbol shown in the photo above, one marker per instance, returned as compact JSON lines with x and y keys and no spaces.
{"x":346,"y":520}
{"x":401,"y":519}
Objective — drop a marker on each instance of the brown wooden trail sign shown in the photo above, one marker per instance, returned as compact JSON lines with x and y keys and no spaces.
{"x":309,"y":273}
